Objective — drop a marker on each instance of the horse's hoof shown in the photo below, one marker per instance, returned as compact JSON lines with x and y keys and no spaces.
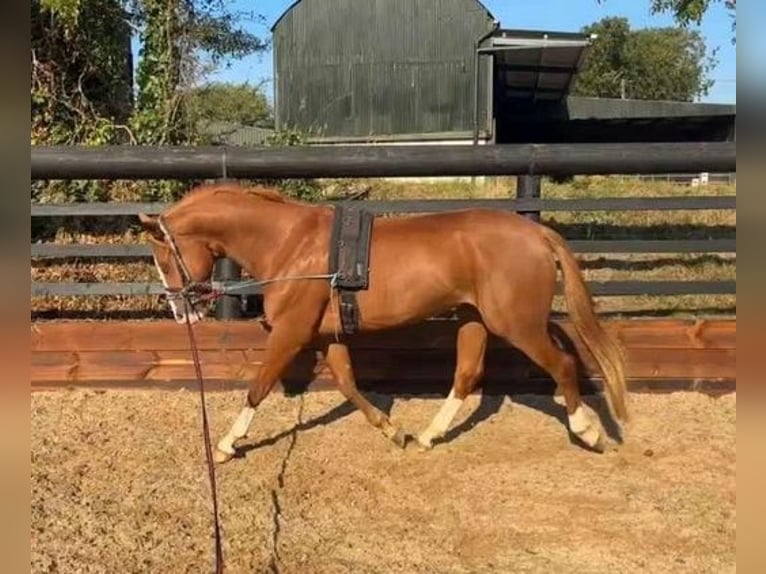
{"x":593,"y":439}
{"x":600,"y":445}
{"x":424,"y":444}
{"x":397,"y":436}
{"x":587,"y":429}
{"x":221,"y":457}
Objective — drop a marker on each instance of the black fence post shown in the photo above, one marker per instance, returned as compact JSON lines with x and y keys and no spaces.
{"x":528,"y":186}
{"x":228,"y":307}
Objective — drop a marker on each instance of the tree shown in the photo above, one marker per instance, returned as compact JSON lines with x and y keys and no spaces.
{"x":81,"y":78}
{"x":79,"y":49}
{"x":652,"y":63}
{"x":176,"y":36}
{"x":687,"y":12}
{"x":242,"y":104}
{"x":82,"y":87}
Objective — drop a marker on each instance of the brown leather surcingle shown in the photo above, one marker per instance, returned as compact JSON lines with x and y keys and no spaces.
{"x":350,"y":259}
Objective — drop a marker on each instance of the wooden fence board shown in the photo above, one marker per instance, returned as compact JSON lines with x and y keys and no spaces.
{"x":671,"y":333}
{"x":103,"y":365}
{"x":53,"y":365}
{"x":661,"y":354}
{"x":370,"y":366}
{"x":77,"y":336}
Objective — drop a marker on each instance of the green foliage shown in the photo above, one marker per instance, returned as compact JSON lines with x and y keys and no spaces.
{"x":287,"y":137}
{"x":653,"y":63}
{"x":67,"y":10}
{"x":214,"y":29}
{"x":686,"y":12}
{"x":241,"y":104}
{"x":82,"y":88}
{"x":80,"y":81}
{"x":303,"y":189}
{"x":157,"y":119}
{"x":604,"y":65}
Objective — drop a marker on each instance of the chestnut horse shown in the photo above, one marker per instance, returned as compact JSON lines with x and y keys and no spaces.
{"x":497,"y":268}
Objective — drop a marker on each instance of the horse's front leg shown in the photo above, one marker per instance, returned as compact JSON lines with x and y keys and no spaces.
{"x":284,"y":342}
{"x":339,"y":361}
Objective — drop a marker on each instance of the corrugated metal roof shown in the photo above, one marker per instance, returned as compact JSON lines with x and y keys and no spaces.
{"x":536,"y":65}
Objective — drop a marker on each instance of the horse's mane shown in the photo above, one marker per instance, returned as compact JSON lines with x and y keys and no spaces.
{"x":267,"y":193}
{"x":208,"y":190}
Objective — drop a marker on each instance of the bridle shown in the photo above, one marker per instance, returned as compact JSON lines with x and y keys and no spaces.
{"x":174,"y":249}
{"x":191,"y":292}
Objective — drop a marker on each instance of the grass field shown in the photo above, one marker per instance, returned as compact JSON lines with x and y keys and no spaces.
{"x":709,"y":224}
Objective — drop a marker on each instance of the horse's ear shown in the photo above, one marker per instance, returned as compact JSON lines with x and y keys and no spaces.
{"x":150,"y":225}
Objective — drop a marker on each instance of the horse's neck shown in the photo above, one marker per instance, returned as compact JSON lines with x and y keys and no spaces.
{"x":253,"y":232}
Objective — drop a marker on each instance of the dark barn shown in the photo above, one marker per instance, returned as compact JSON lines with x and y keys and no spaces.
{"x":367,"y":68}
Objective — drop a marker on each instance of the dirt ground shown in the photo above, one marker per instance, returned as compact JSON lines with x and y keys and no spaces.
{"x":119,"y":484}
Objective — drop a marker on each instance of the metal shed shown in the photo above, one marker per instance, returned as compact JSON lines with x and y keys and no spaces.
{"x":532,"y":72}
{"x":374,"y":69}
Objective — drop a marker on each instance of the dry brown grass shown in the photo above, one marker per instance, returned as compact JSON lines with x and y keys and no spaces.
{"x":590,"y":225}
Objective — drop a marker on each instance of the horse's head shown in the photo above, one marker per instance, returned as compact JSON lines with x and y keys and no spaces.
{"x":181,"y":259}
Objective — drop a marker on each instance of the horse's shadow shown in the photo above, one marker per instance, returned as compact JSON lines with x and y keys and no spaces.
{"x":338,"y":412}
{"x":491,"y":402}
{"x":536,"y":394}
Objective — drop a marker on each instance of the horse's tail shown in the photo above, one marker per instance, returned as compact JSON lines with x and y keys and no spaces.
{"x":605,"y":350}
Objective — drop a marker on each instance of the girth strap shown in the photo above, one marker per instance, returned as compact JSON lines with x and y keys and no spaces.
{"x":350,"y":259}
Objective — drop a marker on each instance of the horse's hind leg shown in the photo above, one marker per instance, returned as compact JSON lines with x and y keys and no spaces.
{"x":338,"y":359}
{"x":471,"y":346}
{"x":539,"y":346}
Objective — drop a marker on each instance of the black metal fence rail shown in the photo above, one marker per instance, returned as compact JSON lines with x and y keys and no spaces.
{"x":433,"y":205}
{"x":134,"y":162}
{"x":606,"y":246}
{"x":598,"y":288}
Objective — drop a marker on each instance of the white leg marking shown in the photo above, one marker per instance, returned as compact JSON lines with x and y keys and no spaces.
{"x":441,"y":422}
{"x":238,"y":430}
{"x":581,"y":424}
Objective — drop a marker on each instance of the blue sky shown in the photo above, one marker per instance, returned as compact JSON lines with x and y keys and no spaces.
{"x":558,"y":15}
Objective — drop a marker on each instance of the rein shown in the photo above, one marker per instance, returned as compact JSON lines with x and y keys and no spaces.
{"x":192,"y":293}
{"x":208,"y":447}
{"x":185,"y":293}
{"x":211,"y":290}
